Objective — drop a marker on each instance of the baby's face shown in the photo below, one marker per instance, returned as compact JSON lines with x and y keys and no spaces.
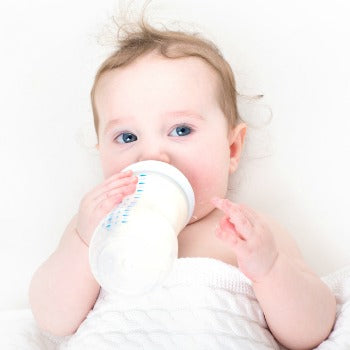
{"x":167,"y":110}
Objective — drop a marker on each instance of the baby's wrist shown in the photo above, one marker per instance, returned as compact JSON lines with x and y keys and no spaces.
{"x":81,"y":238}
{"x":270,"y":271}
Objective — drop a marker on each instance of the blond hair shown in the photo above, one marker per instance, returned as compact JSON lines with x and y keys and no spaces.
{"x":171,"y":44}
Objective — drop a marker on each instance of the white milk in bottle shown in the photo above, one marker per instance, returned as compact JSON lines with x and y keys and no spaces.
{"x":134,"y":247}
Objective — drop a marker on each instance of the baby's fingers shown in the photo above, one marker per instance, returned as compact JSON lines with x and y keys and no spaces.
{"x":119,"y":192}
{"x":114,"y":187}
{"x":112,"y":180}
{"x":230,"y":236}
{"x":226,"y":231}
{"x":243,"y":226}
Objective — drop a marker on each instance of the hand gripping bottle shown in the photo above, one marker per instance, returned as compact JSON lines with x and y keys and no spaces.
{"x":134,"y":247}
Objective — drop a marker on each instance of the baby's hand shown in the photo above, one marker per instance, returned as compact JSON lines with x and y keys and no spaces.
{"x":97,"y":203}
{"x":249,"y":237}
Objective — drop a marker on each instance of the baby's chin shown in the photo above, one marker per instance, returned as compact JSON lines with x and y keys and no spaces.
{"x":204,"y":213}
{"x":194,"y":218}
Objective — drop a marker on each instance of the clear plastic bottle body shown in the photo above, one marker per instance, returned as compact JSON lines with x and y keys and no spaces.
{"x":133,"y":248}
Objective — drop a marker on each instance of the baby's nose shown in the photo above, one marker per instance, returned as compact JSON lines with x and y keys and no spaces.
{"x":160,"y":156}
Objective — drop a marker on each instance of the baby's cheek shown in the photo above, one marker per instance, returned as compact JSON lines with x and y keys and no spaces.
{"x":203,"y":195}
{"x":212,"y":185}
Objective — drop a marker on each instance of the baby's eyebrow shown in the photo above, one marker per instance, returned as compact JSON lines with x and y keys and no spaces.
{"x":185,"y":113}
{"x":173,"y":114}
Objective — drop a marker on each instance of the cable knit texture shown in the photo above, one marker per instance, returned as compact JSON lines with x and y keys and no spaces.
{"x":203,"y":304}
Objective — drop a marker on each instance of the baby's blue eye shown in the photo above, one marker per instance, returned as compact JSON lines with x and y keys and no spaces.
{"x":183,"y":130}
{"x":127,"y":137}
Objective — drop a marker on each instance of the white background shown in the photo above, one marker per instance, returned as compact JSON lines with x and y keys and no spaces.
{"x":296,"y":169}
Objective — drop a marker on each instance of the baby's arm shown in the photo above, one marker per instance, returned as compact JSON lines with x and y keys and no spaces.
{"x":63,"y":290}
{"x":299,"y":308}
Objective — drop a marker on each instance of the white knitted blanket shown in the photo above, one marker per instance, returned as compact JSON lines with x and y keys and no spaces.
{"x":204,"y":304}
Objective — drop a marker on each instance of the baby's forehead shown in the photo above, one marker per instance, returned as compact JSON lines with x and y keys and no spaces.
{"x":190,"y":78}
{"x":150,"y":66}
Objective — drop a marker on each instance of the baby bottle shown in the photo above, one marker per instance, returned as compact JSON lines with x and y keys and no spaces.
{"x":133,"y":248}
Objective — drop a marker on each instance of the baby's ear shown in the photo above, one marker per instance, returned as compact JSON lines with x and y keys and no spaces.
{"x":236,"y":141}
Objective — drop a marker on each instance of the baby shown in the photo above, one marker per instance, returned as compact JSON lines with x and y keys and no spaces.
{"x":170,"y":96}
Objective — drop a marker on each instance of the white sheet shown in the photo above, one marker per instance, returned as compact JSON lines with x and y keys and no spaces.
{"x":339,"y":339}
{"x":18,"y":330}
